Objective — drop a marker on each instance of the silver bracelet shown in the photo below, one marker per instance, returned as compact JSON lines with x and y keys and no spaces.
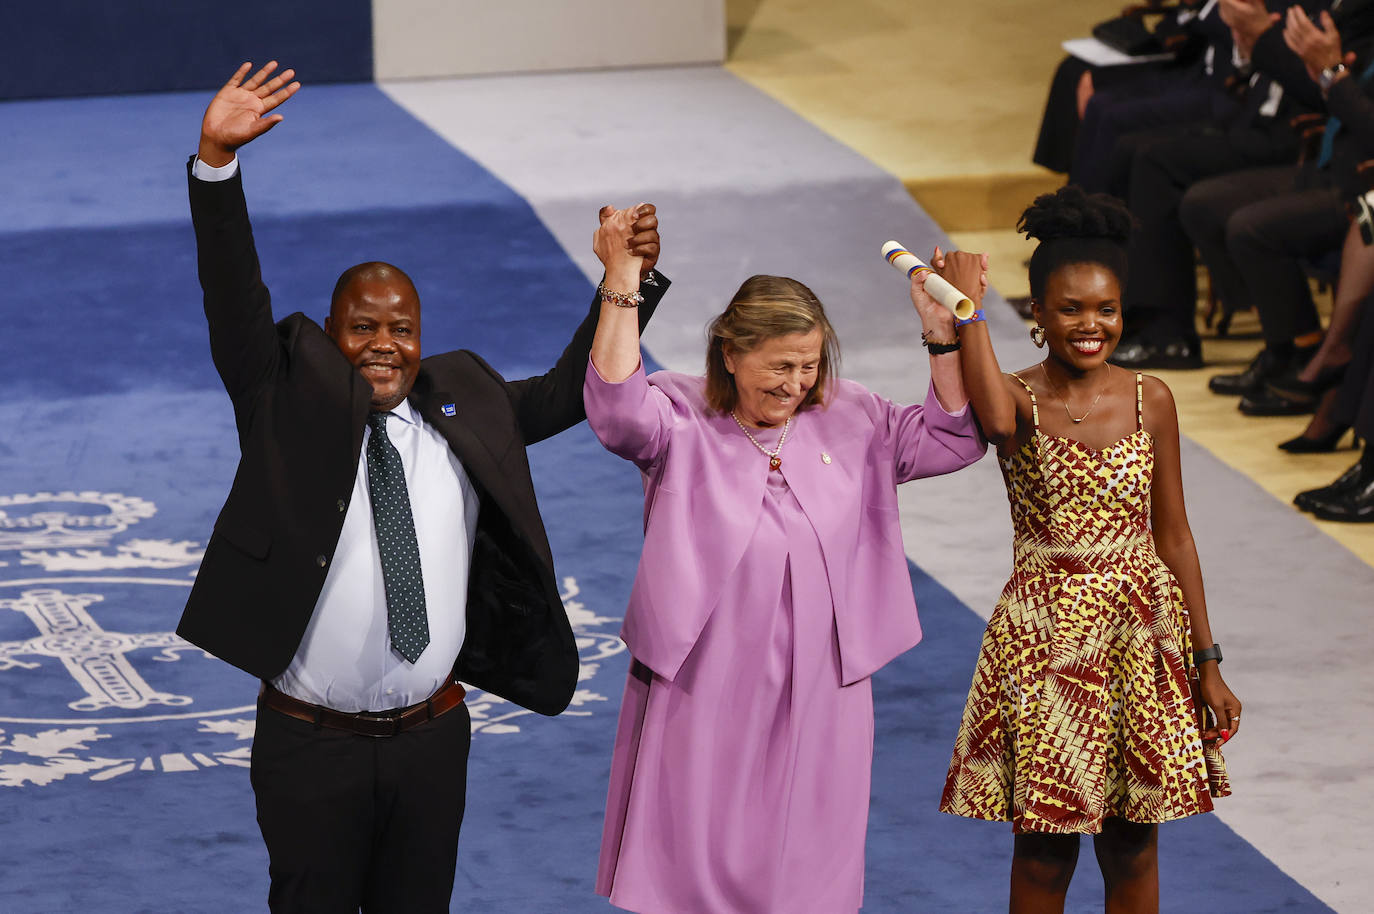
{"x":620,"y":299}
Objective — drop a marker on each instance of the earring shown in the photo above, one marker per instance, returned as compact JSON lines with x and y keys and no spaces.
{"x":1038,"y":336}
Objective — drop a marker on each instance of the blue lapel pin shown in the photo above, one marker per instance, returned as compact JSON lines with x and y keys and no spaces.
{"x":449,"y":409}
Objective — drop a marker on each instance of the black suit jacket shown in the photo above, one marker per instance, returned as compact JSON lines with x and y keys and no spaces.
{"x":300,"y":408}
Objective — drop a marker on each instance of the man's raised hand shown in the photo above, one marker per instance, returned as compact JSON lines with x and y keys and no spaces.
{"x":239,"y":112}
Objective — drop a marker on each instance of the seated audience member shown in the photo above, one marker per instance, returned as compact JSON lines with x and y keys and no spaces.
{"x":1255,"y":228}
{"x":1120,"y":118}
{"x":1162,"y":296}
{"x":1077,"y":83}
{"x":1351,"y":497}
{"x":1318,"y":383}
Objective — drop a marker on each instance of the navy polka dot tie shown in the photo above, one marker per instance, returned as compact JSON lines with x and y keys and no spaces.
{"x":406,"y":621}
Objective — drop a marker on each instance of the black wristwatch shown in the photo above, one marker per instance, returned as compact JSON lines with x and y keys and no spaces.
{"x":1211,"y":653}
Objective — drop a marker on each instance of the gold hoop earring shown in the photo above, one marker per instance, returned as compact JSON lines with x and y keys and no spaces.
{"x":1038,"y":336}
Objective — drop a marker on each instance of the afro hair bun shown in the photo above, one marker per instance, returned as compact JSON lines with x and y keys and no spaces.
{"x":1071,"y":213}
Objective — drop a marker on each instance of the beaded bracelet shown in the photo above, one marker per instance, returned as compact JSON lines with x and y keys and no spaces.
{"x":975,"y":316}
{"x":620,"y":299}
{"x":938,"y":347}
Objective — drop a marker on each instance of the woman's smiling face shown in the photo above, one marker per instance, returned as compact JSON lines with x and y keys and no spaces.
{"x":773,"y":379}
{"x":1081,"y":314}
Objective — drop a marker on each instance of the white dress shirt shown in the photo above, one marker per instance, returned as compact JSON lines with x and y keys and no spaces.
{"x":345,"y":660}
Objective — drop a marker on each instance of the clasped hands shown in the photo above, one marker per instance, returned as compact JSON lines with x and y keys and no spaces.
{"x":967,"y":272}
{"x":626,"y":242}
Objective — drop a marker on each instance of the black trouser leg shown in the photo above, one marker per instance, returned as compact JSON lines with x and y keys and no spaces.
{"x":1148,"y":104}
{"x":1162,"y":279}
{"x":421,"y":793}
{"x":313,"y":788}
{"x":1206,"y":209}
{"x":1267,"y":238}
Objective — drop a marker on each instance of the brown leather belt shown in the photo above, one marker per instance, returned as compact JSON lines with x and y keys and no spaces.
{"x":366,"y":723}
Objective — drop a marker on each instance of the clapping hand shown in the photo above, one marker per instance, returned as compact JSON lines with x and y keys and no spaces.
{"x":1319,"y":48}
{"x":239,"y":112}
{"x":1247,"y":19}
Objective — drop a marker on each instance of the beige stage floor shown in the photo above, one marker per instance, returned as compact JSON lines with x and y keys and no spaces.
{"x":948,"y":98}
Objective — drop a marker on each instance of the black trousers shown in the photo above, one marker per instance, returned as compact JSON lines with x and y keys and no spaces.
{"x":1163,"y":277}
{"x":1101,"y":161}
{"x":360,"y":822}
{"x":1059,"y":124}
{"x":1355,"y":401}
{"x":1252,"y":229}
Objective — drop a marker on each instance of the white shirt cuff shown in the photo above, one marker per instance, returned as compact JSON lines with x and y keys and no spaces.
{"x":203,"y":172}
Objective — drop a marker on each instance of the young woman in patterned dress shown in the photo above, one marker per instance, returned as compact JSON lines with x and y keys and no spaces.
{"x":1080,"y":719}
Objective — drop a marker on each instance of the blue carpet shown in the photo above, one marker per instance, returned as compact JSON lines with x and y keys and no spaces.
{"x":112,"y":409}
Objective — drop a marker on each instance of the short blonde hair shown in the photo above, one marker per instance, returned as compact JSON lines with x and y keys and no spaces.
{"x":766,"y":307}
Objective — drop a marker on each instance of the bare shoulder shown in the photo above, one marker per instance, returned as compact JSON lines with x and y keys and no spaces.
{"x":1156,"y":393}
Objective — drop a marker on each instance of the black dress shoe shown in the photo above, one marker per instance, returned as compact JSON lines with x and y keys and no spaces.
{"x":1289,"y":387}
{"x":1262,"y":368}
{"x":1142,"y":354}
{"x":1355,"y":506}
{"x":1265,"y":403}
{"x":1346,"y":482}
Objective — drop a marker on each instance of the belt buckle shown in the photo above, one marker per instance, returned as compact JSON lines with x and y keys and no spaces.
{"x":387,"y":724}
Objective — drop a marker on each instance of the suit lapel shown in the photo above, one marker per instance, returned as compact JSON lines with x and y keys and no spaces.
{"x":450,"y":414}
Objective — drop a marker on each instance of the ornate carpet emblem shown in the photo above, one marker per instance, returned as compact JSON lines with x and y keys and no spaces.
{"x":86,"y":691}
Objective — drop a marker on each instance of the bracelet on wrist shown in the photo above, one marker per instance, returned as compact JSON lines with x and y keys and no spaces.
{"x":938,"y":347}
{"x":972,"y":318}
{"x":620,"y":299}
{"x":1210,"y":653}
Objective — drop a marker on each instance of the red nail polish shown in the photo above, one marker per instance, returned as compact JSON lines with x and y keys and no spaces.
{"x":1225,"y":735}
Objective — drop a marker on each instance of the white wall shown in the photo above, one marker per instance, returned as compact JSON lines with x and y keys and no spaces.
{"x":425,"y":38}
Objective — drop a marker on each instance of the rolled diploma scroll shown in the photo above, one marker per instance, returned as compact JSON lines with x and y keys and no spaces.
{"x":936,"y":286}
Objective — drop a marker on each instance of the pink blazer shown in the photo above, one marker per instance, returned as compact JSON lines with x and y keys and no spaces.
{"x":704,"y":485}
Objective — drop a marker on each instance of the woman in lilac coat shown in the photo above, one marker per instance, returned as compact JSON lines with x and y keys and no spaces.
{"x":773,"y":583}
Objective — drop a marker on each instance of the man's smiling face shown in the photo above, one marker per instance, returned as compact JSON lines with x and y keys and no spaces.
{"x":375,"y":321}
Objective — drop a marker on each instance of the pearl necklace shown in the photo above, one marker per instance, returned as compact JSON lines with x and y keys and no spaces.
{"x":774,"y":461}
{"x":1065,"y":400}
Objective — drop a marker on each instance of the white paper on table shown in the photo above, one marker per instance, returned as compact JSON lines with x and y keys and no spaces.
{"x":1092,"y":51}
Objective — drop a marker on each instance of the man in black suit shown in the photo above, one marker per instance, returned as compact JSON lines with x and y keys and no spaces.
{"x":380,"y":542}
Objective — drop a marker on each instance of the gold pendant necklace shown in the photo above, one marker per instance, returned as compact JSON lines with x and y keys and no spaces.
{"x":1065,"y":400}
{"x":774,"y":461}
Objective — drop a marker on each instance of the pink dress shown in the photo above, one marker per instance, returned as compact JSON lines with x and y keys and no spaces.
{"x":773,"y":812}
{"x":763,"y":603}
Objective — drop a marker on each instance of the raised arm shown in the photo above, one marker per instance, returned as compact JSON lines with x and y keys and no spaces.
{"x":549,"y":403}
{"x":615,"y":348}
{"x":972,"y":371}
{"x":238,"y":307}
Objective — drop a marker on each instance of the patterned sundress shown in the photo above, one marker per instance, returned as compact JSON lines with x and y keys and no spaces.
{"x":1080,"y":706}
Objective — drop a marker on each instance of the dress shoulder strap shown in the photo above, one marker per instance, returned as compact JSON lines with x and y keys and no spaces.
{"x":1035,"y":407}
{"x":1139,"y":401}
